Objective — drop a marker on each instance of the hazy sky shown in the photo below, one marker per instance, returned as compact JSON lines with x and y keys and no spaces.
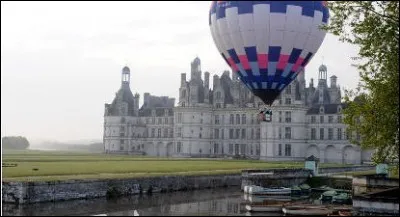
{"x":61,"y":61}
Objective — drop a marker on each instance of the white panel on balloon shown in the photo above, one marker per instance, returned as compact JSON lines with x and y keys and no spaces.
{"x":246,"y":22}
{"x":309,"y":47}
{"x":288,"y":40}
{"x":262,"y":39}
{"x":317,"y":21}
{"x":224,"y":33}
{"x":261,"y":14}
{"x":277,"y":21}
{"x":233,"y":19}
{"x":276,"y":38}
{"x":300,"y":40}
{"x":249,"y":38}
{"x":293,"y":16}
{"x":305,"y":24}
{"x":237,"y":42}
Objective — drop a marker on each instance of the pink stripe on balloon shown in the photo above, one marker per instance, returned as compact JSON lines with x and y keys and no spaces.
{"x":244,"y":61}
{"x":232,"y":64}
{"x":297,"y":64}
{"x":283,"y":60}
{"x":262,"y":61}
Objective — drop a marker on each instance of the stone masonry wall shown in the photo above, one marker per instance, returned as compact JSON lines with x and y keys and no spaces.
{"x":32,"y":192}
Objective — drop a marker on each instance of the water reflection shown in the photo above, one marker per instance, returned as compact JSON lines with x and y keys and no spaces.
{"x":228,"y":201}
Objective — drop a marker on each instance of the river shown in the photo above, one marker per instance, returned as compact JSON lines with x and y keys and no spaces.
{"x":225,"y":201}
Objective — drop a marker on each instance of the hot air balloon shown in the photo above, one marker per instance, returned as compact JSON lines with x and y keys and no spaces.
{"x":268,"y":43}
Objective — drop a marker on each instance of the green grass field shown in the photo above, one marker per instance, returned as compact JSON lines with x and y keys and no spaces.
{"x":53,"y":165}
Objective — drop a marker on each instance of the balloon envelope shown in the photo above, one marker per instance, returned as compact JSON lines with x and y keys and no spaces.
{"x":268,"y":43}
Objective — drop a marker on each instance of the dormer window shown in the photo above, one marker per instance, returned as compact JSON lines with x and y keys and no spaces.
{"x":339,"y":109}
{"x":153,"y":112}
{"x":321,"y":110}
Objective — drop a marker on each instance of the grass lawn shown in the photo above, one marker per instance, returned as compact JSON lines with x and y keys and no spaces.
{"x":54,"y":165}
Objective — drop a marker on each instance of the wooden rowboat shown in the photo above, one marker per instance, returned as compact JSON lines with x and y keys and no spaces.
{"x":306,"y":210}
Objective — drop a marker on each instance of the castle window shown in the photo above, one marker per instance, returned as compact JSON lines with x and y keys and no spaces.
{"x":216,"y":133}
{"x":153,"y":120}
{"x":165,"y":120}
{"x":178,"y":147}
{"x":289,"y":89}
{"x":280,"y":133}
{"x":288,"y":101}
{"x":237,"y":119}
{"x":313,"y":119}
{"x":288,"y":133}
{"x":288,"y":117}
{"x":321,"y":119}
{"x":231,"y":119}
{"x":339,"y":133}
{"x":321,"y":133}
{"x":183,"y":93}
{"x":216,"y":119}
{"x":243,"y":118}
{"x":230,"y":133}
{"x":330,"y":119}
{"x":159,"y":132}
{"x":122,"y":120}
{"x":165,"y":132}
{"x":339,"y":119}
{"x":159,"y":121}
{"x":330,"y":133}
{"x":279,"y":149}
{"x":153,"y":132}
{"x":243,"y":133}
{"x":222,"y":133}
{"x":313,"y":133}
{"x":288,"y":150}
{"x":280,"y":116}
{"x":321,"y":109}
{"x":237,"y":133}
{"x":339,"y":109}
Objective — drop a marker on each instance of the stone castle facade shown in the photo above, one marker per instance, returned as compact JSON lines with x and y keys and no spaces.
{"x":221,"y":121}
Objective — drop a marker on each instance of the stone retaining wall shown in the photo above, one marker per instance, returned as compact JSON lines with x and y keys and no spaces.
{"x":32,"y":192}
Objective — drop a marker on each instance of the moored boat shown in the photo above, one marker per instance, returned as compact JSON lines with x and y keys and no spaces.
{"x":257,"y":190}
{"x":306,"y":210}
{"x":264,"y":208}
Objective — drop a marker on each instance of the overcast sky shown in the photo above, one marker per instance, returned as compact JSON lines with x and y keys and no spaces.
{"x":61,"y":61}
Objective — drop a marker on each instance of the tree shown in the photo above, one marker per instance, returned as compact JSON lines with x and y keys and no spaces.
{"x":14,"y":142}
{"x":373,"y":108}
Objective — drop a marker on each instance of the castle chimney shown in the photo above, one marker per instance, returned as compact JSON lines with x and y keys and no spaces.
{"x":206,"y":80}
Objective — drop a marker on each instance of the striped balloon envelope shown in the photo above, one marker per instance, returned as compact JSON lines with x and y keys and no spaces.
{"x":268,"y":43}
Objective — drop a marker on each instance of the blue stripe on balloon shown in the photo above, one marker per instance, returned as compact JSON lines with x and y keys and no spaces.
{"x":251,"y":53}
{"x":220,"y":11}
{"x":273,"y":53}
{"x":325,"y":15}
{"x":306,"y":59}
{"x":234,"y":56}
{"x":277,"y":7}
{"x":294,"y":55}
{"x":245,"y":7}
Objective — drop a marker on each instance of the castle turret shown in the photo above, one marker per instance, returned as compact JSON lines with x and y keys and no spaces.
{"x":333,"y":81}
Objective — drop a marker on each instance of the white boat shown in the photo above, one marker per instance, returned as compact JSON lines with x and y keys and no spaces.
{"x":306,"y":210}
{"x":261,"y":198}
{"x":246,"y":188}
{"x":257,"y":190}
{"x":264,"y":208}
